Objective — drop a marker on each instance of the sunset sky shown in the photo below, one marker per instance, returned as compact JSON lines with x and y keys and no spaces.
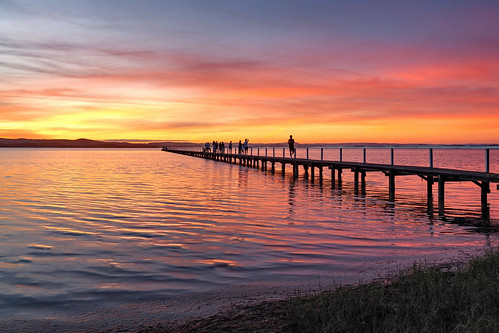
{"x":325,"y":71}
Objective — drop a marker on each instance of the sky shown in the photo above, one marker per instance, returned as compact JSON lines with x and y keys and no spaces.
{"x":328,"y":71}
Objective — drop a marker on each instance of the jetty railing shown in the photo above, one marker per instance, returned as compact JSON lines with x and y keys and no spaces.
{"x":311,"y":158}
{"x":337,"y":152}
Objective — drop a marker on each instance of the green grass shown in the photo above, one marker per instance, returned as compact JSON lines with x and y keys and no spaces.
{"x":422,"y":299}
{"x":452,"y":298}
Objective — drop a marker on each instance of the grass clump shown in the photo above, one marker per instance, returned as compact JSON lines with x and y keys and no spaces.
{"x":464,"y":298}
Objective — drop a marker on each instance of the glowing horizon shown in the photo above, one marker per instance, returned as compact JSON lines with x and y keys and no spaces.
{"x":186,"y":70}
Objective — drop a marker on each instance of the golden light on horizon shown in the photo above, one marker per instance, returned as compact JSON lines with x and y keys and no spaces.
{"x":321,"y":83}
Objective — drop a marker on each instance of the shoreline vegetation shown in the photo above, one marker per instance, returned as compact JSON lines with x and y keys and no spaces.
{"x":455,"y":297}
{"x":86,"y":143}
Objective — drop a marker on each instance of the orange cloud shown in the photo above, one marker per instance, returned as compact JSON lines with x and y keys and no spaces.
{"x":172,"y":95}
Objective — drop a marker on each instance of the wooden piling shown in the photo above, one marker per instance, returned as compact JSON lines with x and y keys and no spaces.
{"x":391,"y":186}
{"x":441,"y":195}
{"x":429,"y":193}
{"x":363,"y":182}
{"x":485,"y":189}
{"x":356,"y":181}
{"x":429,"y":174}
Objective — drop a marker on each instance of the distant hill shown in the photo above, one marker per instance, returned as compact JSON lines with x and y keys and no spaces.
{"x":84,"y":143}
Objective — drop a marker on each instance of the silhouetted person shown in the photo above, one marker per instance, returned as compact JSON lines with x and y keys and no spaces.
{"x":246,"y":145}
{"x":291,"y":144}
{"x":240,"y":147}
{"x":230,"y":147}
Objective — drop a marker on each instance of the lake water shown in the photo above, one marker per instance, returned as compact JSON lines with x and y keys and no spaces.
{"x":82,"y":229}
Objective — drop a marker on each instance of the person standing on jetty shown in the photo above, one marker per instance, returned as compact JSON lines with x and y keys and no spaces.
{"x":246,"y":146}
{"x":291,"y":144}
{"x":240,"y":147}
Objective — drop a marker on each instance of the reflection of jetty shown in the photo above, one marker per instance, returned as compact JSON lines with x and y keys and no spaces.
{"x":430,"y":174}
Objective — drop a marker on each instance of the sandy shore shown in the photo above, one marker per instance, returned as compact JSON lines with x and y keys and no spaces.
{"x":191,"y":312}
{"x":144,"y":316}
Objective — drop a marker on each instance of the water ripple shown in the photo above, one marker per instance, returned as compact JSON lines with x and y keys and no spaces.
{"x":88,"y":226}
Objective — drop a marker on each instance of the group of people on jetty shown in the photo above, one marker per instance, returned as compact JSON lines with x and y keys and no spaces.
{"x":219,"y":147}
{"x":242,"y":147}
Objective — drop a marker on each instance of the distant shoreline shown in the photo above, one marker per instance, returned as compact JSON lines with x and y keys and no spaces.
{"x":86,"y":143}
{"x":82,"y":143}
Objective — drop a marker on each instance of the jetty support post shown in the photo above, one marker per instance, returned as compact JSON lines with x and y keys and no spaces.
{"x":485,"y":186}
{"x":391,"y":185}
{"x":283,"y":168}
{"x":363,"y":182}
{"x":487,"y":160}
{"x":312,"y":173}
{"x":356,"y":180}
{"x":430,"y":180}
{"x":320,"y":175}
{"x":295,"y":170}
{"x":441,"y":195}
{"x":429,"y":193}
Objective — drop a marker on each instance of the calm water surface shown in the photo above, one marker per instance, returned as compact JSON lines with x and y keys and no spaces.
{"x":122,"y":226}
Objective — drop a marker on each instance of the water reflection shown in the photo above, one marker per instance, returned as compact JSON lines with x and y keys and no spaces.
{"x":291,"y":196}
{"x":113,"y":225}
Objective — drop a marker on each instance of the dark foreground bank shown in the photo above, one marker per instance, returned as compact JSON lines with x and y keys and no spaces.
{"x":455,"y":297}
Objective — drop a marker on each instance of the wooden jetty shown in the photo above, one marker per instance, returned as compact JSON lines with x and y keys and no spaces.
{"x":431,"y":175}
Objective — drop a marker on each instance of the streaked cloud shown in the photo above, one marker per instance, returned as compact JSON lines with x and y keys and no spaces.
{"x":184,"y":70}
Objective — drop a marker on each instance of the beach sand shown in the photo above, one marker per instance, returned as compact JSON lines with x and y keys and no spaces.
{"x":244,"y":306}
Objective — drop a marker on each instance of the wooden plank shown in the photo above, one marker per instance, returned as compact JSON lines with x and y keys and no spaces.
{"x":482,"y":179}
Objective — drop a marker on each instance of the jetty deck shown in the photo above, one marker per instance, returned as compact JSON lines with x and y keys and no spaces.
{"x":431,"y":175}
